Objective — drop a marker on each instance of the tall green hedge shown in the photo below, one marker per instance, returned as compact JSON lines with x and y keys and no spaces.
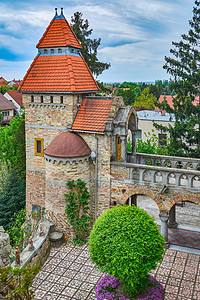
{"x":126,"y":243}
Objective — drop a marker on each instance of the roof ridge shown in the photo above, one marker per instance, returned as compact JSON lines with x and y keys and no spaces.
{"x":90,"y":73}
{"x":71,"y":73}
{"x":27,"y":73}
{"x":65,"y":33}
{"x":44,"y":34}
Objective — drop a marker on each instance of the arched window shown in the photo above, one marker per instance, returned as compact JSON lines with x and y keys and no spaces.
{"x":52,"y":51}
{"x":59,"y":50}
{"x":45,"y":51}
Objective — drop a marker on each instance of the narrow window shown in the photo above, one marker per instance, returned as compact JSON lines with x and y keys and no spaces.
{"x":38,"y":147}
{"x":32,"y":98}
{"x":41,"y":99}
{"x":52,"y":51}
{"x":51,"y":98}
{"x":61,"y":99}
{"x":59,"y":50}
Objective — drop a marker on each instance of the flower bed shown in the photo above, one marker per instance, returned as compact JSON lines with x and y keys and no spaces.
{"x":106,"y":290}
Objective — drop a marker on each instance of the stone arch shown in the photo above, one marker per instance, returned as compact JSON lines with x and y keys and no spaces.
{"x":142,"y":190}
{"x":132,"y":120}
{"x":194,"y":198}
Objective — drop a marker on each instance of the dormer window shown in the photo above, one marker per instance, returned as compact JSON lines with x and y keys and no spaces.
{"x":52,"y":51}
{"x":59,"y":50}
{"x":45,"y":51}
{"x":72,"y":50}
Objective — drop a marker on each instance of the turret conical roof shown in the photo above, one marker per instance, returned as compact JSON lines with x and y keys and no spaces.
{"x":59,"y":65}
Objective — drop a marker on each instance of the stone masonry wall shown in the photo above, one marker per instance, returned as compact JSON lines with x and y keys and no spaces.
{"x":103,"y":165}
{"x":57,"y":175}
{"x":35,"y":189}
{"x":43,"y":120}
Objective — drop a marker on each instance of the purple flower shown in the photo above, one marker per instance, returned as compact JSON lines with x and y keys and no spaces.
{"x":107,"y":285}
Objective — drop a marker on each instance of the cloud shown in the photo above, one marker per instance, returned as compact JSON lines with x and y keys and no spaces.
{"x":136,"y":35}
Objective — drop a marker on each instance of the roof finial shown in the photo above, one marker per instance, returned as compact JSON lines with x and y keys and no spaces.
{"x":61,"y":10}
{"x":56,"y":12}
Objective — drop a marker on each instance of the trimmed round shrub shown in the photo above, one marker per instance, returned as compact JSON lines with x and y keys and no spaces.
{"x":126,"y":243}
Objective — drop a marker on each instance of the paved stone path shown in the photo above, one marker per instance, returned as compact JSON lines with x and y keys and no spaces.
{"x":69,"y":274}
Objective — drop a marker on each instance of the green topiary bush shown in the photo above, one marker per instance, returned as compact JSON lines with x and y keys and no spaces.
{"x":126,"y":243}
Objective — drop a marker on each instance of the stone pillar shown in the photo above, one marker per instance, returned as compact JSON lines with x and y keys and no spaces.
{"x":164,"y":228}
{"x":123,"y":149}
{"x":114,"y":148}
{"x":172,"y":218}
{"x":133,"y":143}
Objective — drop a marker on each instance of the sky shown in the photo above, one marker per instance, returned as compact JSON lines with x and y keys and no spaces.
{"x":135,"y":35}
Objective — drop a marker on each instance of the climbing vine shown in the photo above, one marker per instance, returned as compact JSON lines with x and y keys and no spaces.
{"x":77,"y":209}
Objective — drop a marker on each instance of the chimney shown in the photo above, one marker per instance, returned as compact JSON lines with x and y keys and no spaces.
{"x":163,"y":113}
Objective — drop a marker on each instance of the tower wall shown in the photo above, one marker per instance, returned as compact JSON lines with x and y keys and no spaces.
{"x":43,"y":121}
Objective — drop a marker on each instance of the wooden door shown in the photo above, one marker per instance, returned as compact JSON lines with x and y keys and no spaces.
{"x":118,"y":147}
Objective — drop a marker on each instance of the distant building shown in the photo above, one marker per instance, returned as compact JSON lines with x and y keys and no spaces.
{"x":7,"y":109}
{"x":145,"y":123}
{"x":16,"y":98}
{"x":169,"y":99}
{"x":14,"y":82}
{"x":2,"y":80}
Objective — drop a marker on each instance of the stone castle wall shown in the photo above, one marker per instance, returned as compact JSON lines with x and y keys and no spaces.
{"x":43,"y":120}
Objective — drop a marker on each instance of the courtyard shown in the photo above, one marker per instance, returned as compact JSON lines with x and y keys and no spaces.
{"x":69,"y":274}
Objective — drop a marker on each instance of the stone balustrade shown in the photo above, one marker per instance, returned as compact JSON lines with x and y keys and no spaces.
{"x":168,"y":161}
{"x":159,"y":176}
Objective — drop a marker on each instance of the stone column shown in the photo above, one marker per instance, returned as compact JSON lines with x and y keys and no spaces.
{"x":172,"y":218}
{"x":164,"y":228}
{"x":133,"y":143}
{"x":114,"y":148}
{"x":123,"y":149}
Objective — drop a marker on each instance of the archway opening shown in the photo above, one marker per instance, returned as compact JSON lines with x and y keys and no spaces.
{"x":146,"y":203}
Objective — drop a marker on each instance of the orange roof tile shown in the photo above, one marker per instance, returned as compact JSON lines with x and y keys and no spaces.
{"x":59,"y":34}
{"x":92,"y":115}
{"x":169,"y":99}
{"x":63,"y":73}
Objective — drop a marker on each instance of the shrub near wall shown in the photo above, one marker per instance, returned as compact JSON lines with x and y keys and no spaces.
{"x":126,"y":243}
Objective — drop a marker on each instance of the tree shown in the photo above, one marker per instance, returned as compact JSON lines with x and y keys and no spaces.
{"x":125,"y":242}
{"x":15,"y":283}
{"x":90,"y":46}
{"x":145,"y":99}
{"x":12,"y":145}
{"x":12,"y":169}
{"x":184,"y":68}
{"x":12,"y":198}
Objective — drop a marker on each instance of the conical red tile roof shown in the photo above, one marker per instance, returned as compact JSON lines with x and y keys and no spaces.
{"x":59,"y":34}
{"x":55,"y":71}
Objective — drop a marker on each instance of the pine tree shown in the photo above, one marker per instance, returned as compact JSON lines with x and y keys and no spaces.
{"x":184,"y":68}
{"x":89,"y":51}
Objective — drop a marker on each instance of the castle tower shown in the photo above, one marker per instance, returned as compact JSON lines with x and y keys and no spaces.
{"x":52,"y":89}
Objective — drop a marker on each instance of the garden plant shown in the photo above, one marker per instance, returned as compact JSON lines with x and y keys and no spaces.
{"x":125,"y":242}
